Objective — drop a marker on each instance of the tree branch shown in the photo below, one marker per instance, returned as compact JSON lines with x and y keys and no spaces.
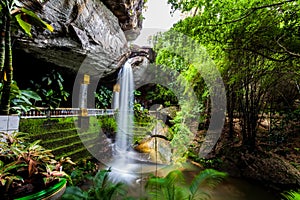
{"x":285,"y":49}
{"x":261,"y":54}
{"x":272,"y":5}
{"x":250,"y":11}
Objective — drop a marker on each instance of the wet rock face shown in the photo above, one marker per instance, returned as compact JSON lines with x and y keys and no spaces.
{"x":85,"y":33}
{"x":129,"y":14}
{"x":156,"y":145}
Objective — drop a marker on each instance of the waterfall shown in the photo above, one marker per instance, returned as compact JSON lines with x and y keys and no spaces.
{"x":123,"y":101}
{"x":124,"y":105}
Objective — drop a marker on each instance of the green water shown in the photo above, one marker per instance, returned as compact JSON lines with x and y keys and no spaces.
{"x":239,"y":189}
{"x":229,"y":189}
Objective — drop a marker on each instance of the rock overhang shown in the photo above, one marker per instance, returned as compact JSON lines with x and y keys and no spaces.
{"x":87,"y":34}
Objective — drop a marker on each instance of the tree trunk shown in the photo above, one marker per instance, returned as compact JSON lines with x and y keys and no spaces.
{"x":231,"y":107}
{"x":7,"y":75}
{"x":2,"y":46}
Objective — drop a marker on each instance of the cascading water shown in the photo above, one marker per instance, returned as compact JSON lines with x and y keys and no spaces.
{"x":125,"y":109}
{"x":122,"y":166}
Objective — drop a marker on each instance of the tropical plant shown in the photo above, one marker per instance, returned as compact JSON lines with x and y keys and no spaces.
{"x":21,"y":100}
{"x":108,"y":125}
{"x":103,"y":97}
{"x":78,"y":176}
{"x":102,"y":189}
{"x":34,"y":156}
{"x":24,"y":163}
{"x":291,"y":195}
{"x":51,"y":89}
{"x":83,"y":171}
{"x":174,"y":186}
{"x":8,"y":140}
{"x":21,"y":13}
{"x":6,"y":174}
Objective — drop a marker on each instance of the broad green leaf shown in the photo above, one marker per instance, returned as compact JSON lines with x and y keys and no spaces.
{"x":36,"y":20}
{"x":25,"y":100}
{"x":24,"y":25}
{"x":31,"y":95}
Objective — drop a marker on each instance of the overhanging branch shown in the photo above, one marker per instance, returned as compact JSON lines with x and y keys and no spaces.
{"x":261,"y":54}
{"x":285,"y":49}
{"x":250,"y":11}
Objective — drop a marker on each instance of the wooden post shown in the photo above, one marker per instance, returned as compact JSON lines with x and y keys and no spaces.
{"x":83,"y":117}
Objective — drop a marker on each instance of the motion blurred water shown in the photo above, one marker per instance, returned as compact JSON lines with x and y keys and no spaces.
{"x":125,"y":109}
{"x":123,"y":167}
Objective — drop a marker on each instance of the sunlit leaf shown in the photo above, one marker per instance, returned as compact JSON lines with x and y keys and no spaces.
{"x":24,"y":25}
{"x":36,"y":20}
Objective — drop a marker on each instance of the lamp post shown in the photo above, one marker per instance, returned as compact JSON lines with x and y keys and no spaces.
{"x":83,"y":118}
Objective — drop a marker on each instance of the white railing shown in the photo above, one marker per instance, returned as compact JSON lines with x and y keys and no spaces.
{"x":64,"y":112}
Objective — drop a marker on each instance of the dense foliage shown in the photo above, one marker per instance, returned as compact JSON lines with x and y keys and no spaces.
{"x":255,"y":46}
{"x":103,"y":97}
{"x":15,"y":15}
{"x":51,"y":90}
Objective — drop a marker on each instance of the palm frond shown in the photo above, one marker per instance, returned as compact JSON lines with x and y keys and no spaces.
{"x":156,"y":187}
{"x":291,"y":195}
{"x":115,"y":189}
{"x":74,"y":193}
{"x":208,"y":178}
{"x":101,"y":178}
{"x":169,"y":187}
{"x":175,"y":177}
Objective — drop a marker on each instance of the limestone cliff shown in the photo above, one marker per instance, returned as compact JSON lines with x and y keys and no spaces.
{"x":129,"y":13}
{"x":85,"y":32}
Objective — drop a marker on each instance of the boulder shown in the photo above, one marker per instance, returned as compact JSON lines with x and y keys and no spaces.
{"x":157,"y":145}
{"x":158,"y":150}
{"x":272,"y":170}
{"x":266,"y":167}
{"x":169,"y":111}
